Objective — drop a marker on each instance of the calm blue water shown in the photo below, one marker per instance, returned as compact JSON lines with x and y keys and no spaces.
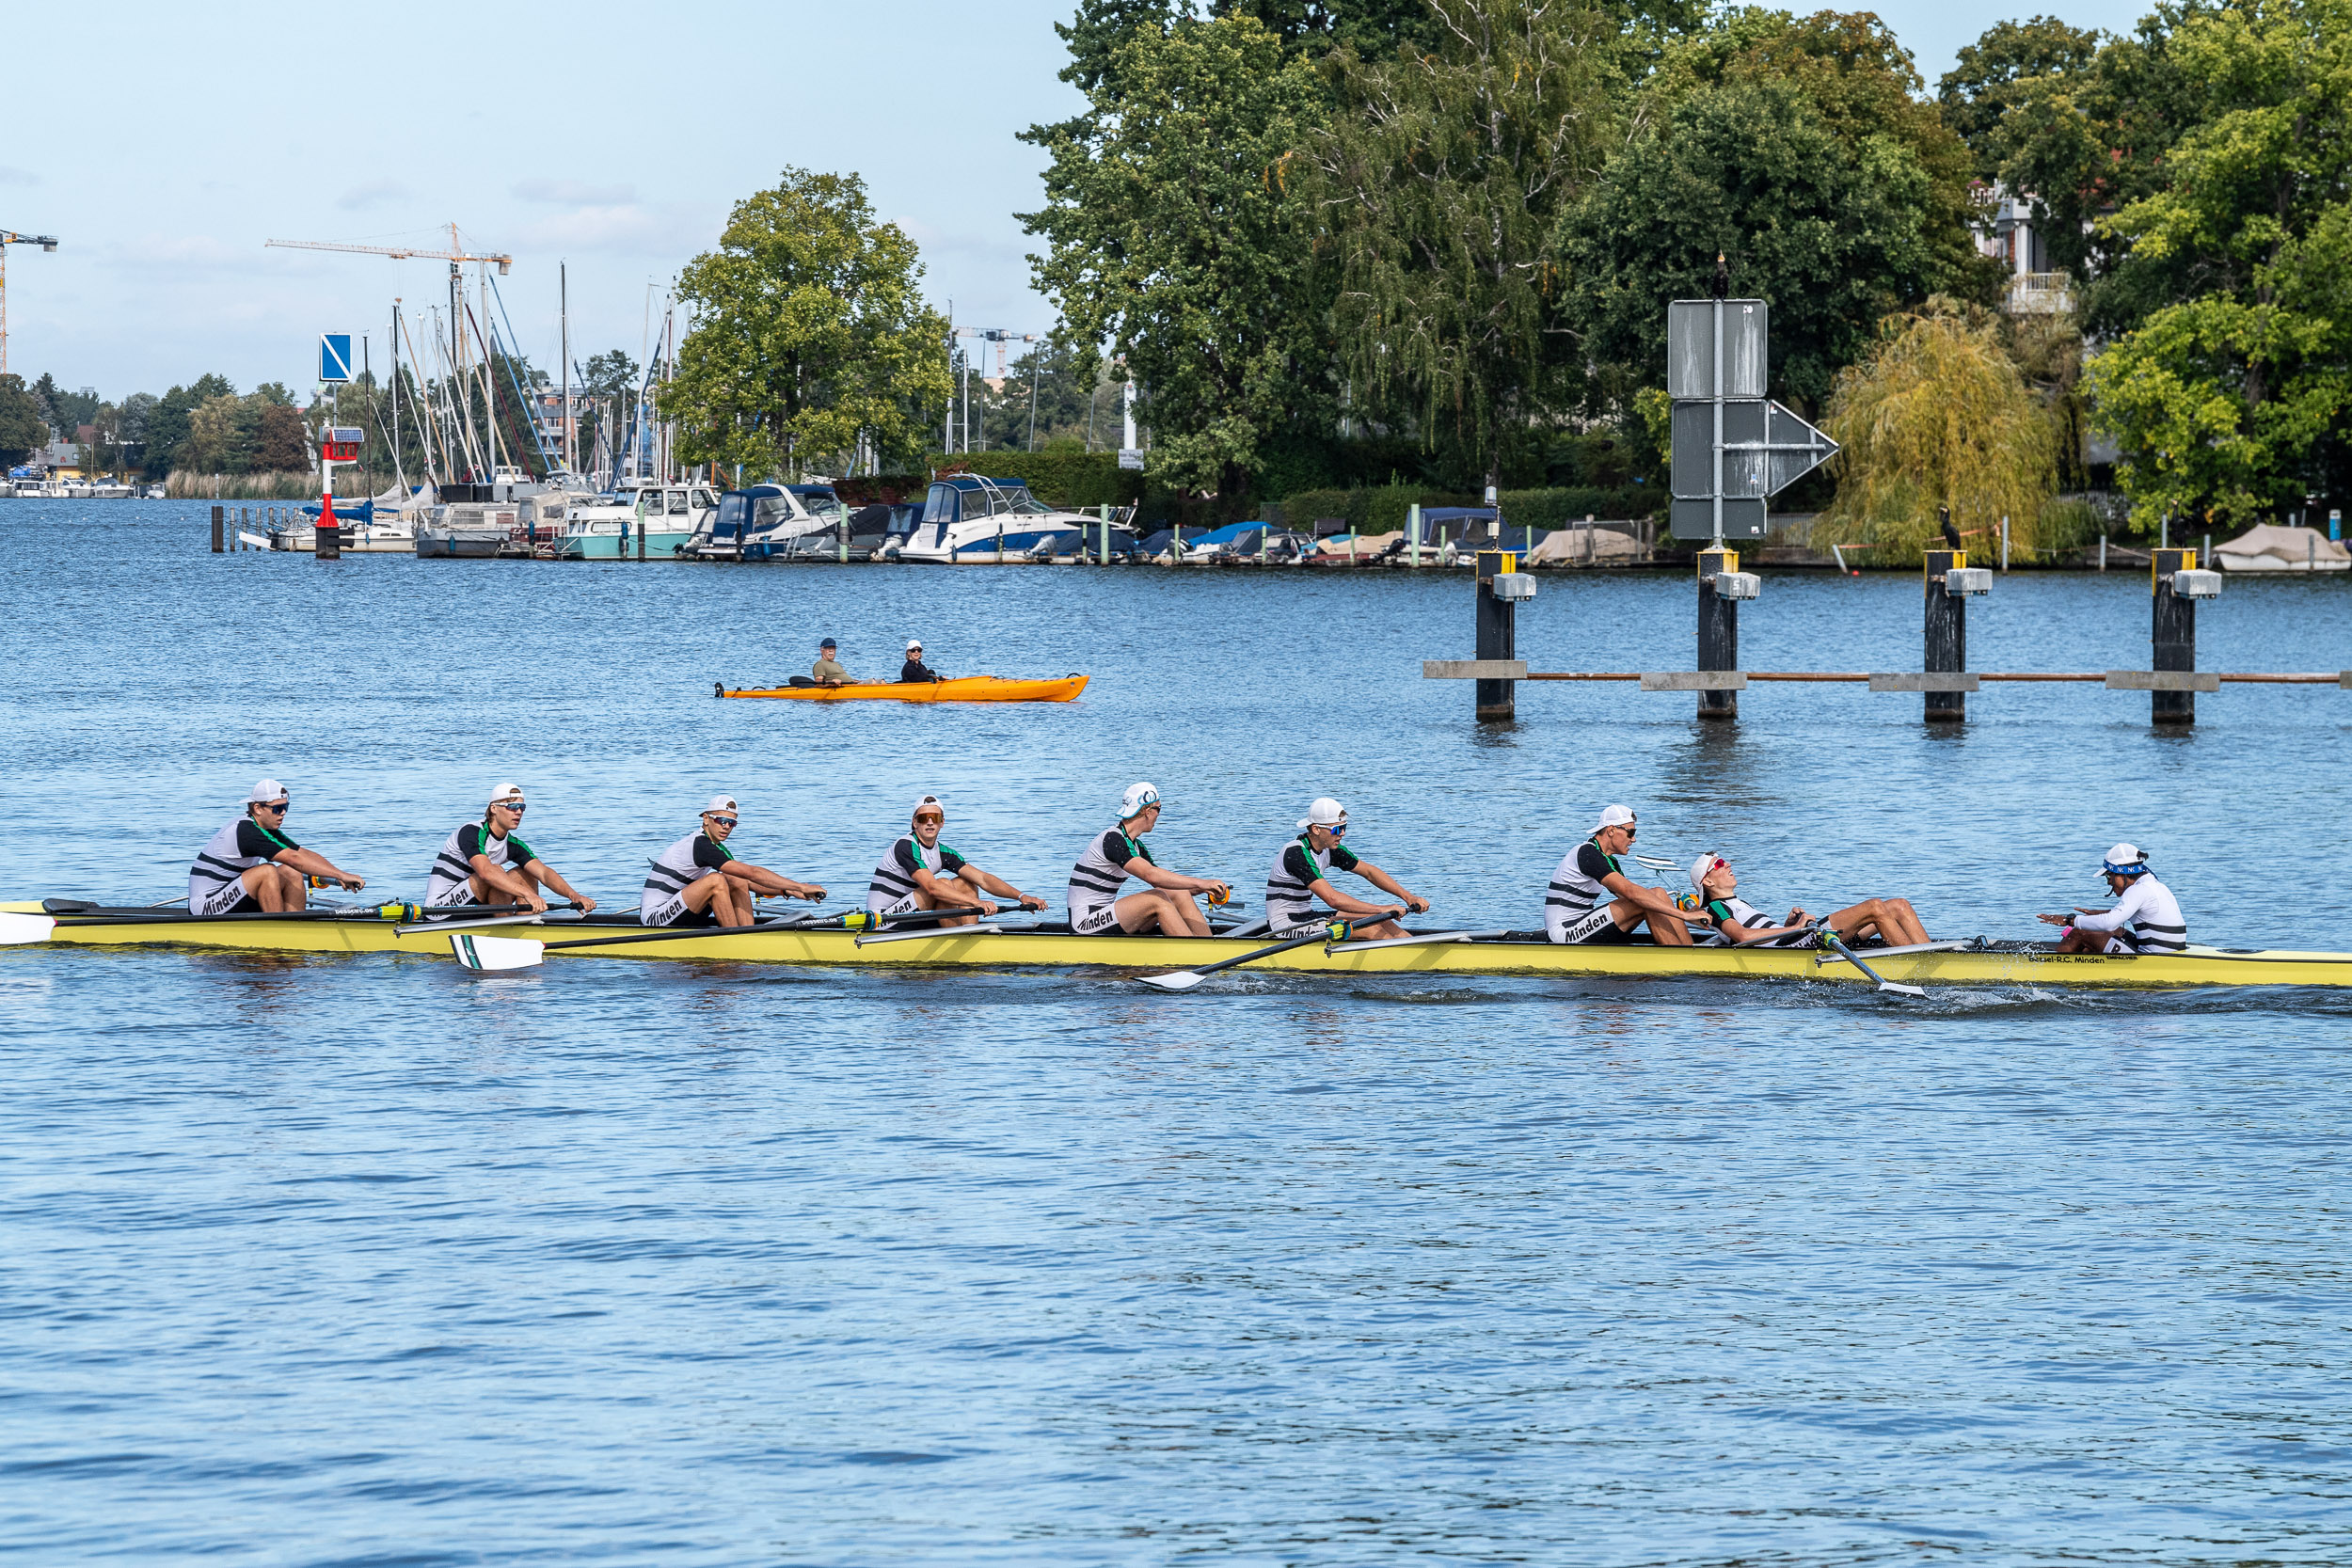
{"x":367,"y":1261}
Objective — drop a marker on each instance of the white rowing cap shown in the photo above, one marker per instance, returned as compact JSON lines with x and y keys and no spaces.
{"x":1615,"y":816}
{"x":2125,"y":860}
{"x":1324,"y":812}
{"x":1140,"y":799}
{"x":266,"y":790}
{"x":504,"y":792}
{"x":720,"y":803}
{"x":914,"y":647}
{"x":930,"y":803}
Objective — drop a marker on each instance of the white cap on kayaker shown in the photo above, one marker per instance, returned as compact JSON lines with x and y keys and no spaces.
{"x":2125,"y":860}
{"x":1140,"y":799}
{"x":1704,"y":867}
{"x":266,"y":790}
{"x":931,"y":802}
{"x":914,"y":646}
{"x":1324,"y":812}
{"x":1615,"y":816}
{"x":720,"y":803}
{"x":504,"y":792}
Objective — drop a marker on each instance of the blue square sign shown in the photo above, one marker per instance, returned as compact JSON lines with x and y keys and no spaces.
{"x":334,"y":356}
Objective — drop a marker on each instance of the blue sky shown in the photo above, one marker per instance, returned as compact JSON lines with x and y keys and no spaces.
{"x":164,"y":143}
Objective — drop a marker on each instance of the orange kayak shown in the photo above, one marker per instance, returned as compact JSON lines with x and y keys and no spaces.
{"x":965,"y":688}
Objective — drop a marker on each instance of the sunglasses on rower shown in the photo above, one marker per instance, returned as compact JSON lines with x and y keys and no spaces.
{"x":280,"y":807}
{"x":515,"y":806}
{"x":722,"y":821}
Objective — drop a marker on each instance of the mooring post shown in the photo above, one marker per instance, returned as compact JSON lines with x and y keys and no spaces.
{"x":1500,"y":586}
{"x":1947,"y":633}
{"x":219,"y":543}
{"x":1719,"y":629}
{"x":2173,"y":632}
{"x":641,"y":538}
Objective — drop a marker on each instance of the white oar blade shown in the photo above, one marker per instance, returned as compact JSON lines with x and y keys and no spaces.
{"x":1903,"y":991}
{"x":1184,"y":979}
{"x":17,"y":929}
{"x":495,"y":953}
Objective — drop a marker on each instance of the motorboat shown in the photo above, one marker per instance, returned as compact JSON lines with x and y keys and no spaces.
{"x":636,"y":526}
{"x":971,"y":519}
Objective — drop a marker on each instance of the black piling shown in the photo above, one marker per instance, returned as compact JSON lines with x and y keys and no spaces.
{"x":1946,"y":651}
{"x":327,"y":539}
{"x":1498,"y":634}
{"x":1719,"y":631}
{"x":2173,"y":632}
{"x":220,"y":540}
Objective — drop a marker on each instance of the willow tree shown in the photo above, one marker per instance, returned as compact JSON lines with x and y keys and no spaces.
{"x":809,"y":338}
{"x":1440,"y":180}
{"x":1938,"y":416}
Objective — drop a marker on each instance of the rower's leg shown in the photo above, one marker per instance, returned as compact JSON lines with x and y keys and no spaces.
{"x":1664,"y":929}
{"x":267,"y":886}
{"x":1905,"y":920}
{"x":927,"y":901}
{"x":712,"y":897}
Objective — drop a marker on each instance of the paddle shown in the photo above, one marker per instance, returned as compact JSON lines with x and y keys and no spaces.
{"x":1828,"y":939}
{"x":16,"y":929}
{"x":1330,"y":931}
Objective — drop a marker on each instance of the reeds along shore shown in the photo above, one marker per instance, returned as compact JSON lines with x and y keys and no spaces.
{"x":279,"y":487}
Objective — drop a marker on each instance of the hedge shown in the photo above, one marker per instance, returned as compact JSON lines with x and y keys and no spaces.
{"x":1074,"y":479}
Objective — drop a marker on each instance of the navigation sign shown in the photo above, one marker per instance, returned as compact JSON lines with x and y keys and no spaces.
{"x":334,"y":356}
{"x":1131,"y":457}
{"x":1732,"y":446}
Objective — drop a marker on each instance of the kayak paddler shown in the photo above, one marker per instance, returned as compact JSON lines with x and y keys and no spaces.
{"x":920,"y":873}
{"x":488,"y":863}
{"x":914,"y":669}
{"x":1165,"y":906}
{"x":1891,"y":920}
{"x":698,"y":882}
{"x":2146,"y":917}
{"x":1302,"y":871}
{"x":827,"y":671}
{"x":251,"y":866}
{"x":1591,"y":898}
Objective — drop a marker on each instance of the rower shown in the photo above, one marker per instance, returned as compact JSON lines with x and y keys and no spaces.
{"x":698,"y":882}
{"x":914,"y":669}
{"x":1592,"y":899}
{"x":827,"y":671}
{"x":488,"y":863}
{"x":921,"y":873}
{"x":1302,"y":874}
{"x":1891,"y":920}
{"x":2145,"y":919}
{"x":250,"y":866}
{"x":1165,"y":906}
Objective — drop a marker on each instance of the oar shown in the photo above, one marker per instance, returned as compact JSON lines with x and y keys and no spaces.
{"x":16,"y":929}
{"x":502,"y":952}
{"x":1424,"y":938}
{"x":1828,"y":939}
{"x":1185,"y":979}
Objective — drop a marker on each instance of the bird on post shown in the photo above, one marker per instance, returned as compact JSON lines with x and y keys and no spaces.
{"x":1723,"y":277}
{"x":1951,"y":534}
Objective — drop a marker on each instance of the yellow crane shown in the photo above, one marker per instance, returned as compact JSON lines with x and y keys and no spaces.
{"x":8,"y":238}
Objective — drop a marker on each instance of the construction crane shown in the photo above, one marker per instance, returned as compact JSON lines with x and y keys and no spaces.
{"x":8,"y":238}
{"x":455,"y":254}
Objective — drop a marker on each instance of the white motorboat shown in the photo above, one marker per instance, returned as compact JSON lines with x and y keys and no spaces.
{"x":969,"y":519}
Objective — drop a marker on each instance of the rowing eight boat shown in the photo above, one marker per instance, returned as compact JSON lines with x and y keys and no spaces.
{"x":1045,"y":946}
{"x":963,"y":689}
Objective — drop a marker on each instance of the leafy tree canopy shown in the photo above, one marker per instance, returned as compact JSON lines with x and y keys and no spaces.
{"x":809,"y":335}
{"x":2011,"y":63}
{"x":22,"y":431}
{"x":1177,"y":235}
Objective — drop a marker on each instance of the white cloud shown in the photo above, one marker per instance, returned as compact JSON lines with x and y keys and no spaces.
{"x":374,"y":194}
{"x":11,"y":176}
{"x":572,"y":193}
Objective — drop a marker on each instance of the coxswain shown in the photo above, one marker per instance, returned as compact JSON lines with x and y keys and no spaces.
{"x":488,"y":863}
{"x":827,"y":671}
{"x":2146,"y":917}
{"x":1891,"y":920}
{"x":1165,"y":904}
{"x":698,"y":882}
{"x":1592,"y":900}
{"x":920,"y":873}
{"x":914,"y":669}
{"x":1302,"y":871}
{"x":251,"y":866}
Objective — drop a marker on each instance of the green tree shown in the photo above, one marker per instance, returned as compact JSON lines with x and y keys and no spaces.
{"x":809,"y":335}
{"x":2011,"y":63}
{"x":168,"y":422}
{"x":282,"y":443}
{"x":1440,"y":180}
{"x":1177,"y":235}
{"x":2228,"y":396}
{"x":22,"y":429}
{"x":1938,"y":416}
